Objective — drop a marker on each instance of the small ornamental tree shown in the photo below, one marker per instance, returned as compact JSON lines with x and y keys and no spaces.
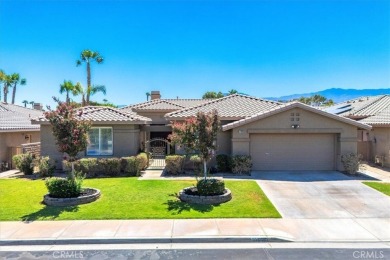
{"x":71,"y":134}
{"x":198,"y":134}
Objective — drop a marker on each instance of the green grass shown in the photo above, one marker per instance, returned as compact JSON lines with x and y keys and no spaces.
{"x":383,"y":187}
{"x":129,"y":198}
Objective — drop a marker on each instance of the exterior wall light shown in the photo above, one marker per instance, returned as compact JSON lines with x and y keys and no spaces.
{"x":295,"y":126}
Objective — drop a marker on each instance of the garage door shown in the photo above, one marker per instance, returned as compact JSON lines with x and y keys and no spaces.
{"x":292,"y":151}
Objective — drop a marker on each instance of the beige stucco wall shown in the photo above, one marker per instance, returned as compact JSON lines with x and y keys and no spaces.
{"x":125,"y":142}
{"x":15,"y":139}
{"x":380,"y":143}
{"x":309,"y":122}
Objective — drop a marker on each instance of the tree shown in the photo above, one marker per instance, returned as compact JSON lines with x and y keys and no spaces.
{"x":2,"y":78}
{"x":212,"y":94}
{"x":88,"y":56}
{"x":7,"y":83}
{"x":69,"y":87}
{"x":71,"y":134}
{"x":147,"y":96}
{"x":25,"y":102}
{"x":232,"y":91}
{"x":32,"y":104}
{"x":198,"y":134}
{"x":15,"y":78}
{"x":89,"y":91}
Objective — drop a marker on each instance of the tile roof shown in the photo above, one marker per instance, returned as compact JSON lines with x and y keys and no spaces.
{"x":165,"y":104}
{"x":232,"y":107}
{"x":14,"y":117}
{"x":372,"y":109}
{"x":288,"y":106}
{"x":99,"y":114}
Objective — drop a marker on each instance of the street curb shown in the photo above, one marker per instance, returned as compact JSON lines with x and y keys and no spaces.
{"x":75,"y":241}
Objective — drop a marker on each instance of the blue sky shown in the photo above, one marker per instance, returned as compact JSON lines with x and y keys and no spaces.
{"x":184,"y":48}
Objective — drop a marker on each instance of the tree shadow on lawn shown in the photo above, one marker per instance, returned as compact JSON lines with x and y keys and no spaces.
{"x":48,"y":213}
{"x":176,"y":206}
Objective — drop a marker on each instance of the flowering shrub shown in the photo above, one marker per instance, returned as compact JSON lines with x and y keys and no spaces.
{"x":351,"y":162}
{"x":241,"y":164}
{"x":174,"y":164}
{"x":24,"y":163}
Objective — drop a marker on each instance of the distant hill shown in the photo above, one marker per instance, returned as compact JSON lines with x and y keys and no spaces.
{"x":337,"y":94}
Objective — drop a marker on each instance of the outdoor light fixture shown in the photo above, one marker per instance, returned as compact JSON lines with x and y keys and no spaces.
{"x":295,"y":126}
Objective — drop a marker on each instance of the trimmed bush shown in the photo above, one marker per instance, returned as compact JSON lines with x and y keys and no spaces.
{"x":174,"y":164}
{"x":110,"y":166}
{"x":197,"y":164}
{"x":143,"y":159}
{"x":131,"y":165}
{"x":241,"y":164}
{"x":351,"y":162}
{"x":224,"y":163}
{"x":210,"y":187}
{"x":24,"y":163}
{"x":46,"y":166}
{"x":64,"y":187}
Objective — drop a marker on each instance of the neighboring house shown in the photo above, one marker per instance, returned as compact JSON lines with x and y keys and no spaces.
{"x":16,"y":129}
{"x":114,"y":133}
{"x":278,"y":136}
{"x":374,"y":111}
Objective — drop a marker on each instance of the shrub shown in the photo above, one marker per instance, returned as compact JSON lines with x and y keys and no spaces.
{"x":196,"y":163}
{"x":24,"y":163}
{"x":64,"y":187}
{"x":174,"y":164}
{"x":351,"y":162}
{"x":210,"y":187}
{"x":131,"y":165}
{"x":143,"y":159}
{"x":89,"y":166}
{"x":224,"y":163}
{"x":241,"y":164}
{"x":46,"y":166}
{"x":110,"y":166}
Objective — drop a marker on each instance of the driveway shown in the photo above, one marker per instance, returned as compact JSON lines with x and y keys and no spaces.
{"x":322,"y":195}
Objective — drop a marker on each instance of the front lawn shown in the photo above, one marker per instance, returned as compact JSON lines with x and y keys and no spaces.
{"x":379,"y":186}
{"x":129,"y":198}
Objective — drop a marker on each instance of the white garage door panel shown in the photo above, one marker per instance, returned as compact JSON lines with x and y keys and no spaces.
{"x":292,"y":151}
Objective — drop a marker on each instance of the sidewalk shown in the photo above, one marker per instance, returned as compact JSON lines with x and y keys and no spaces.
{"x":194,"y":231}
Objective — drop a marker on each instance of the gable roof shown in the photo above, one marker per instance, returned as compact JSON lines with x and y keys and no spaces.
{"x":105,"y":115}
{"x":165,"y":104}
{"x":288,"y":106}
{"x":232,"y":107}
{"x":373,"y":110}
{"x":14,"y":118}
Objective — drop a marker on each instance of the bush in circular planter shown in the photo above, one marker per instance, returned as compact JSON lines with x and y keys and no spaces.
{"x":210,"y":187}
{"x":64,"y":187}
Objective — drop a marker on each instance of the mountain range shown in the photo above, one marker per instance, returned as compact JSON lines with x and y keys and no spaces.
{"x":337,"y":94}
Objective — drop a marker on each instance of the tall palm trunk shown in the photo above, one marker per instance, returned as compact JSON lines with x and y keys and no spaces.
{"x":67,"y":97}
{"x":5,"y":93}
{"x":13,"y":94}
{"x":88,"y":81}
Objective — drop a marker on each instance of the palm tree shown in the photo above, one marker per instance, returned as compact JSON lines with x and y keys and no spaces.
{"x":232,"y":91}
{"x":2,"y":77}
{"x":88,"y":56}
{"x":89,"y":91}
{"x":15,"y":77}
{"x":69,"y":87}
{"x":147,"y":96}
{"x":25,"y":102}
{"x":7,"y":83}
{"x":32,"y":104}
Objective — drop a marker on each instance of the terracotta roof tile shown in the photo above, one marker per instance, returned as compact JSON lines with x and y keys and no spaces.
{"x":232,"y":107}
{"x":165,"y":104}
{"x":14,"y":117}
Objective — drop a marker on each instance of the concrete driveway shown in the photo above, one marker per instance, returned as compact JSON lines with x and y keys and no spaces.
{"x":322,"y":195}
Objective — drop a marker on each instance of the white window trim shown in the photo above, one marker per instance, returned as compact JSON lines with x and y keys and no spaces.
{"x":112,"y":138}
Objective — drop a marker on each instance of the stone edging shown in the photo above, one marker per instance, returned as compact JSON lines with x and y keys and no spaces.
{"x":217,"y":199}
{"x":84,"y":199}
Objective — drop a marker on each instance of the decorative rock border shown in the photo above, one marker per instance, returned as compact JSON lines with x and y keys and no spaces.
{"x":92,"y":195}
{"x":216,"y":199}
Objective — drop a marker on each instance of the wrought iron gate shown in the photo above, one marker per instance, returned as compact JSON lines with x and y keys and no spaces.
{"x":157,"y":148}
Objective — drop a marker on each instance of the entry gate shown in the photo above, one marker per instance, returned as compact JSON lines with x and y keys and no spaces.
{"x":158,"y":148}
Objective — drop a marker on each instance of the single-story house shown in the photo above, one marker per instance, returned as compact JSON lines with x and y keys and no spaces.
{"x":373,"y":145}
{"x":16,"y":129}
{"x":278,"y":136}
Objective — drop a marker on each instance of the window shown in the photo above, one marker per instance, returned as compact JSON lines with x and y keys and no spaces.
{"x":100,"y":141}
